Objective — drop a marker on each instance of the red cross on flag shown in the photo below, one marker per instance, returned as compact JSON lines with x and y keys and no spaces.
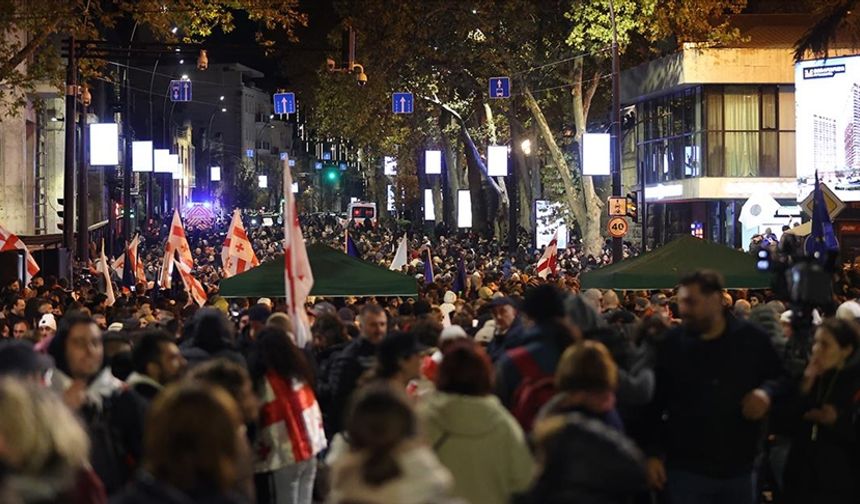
{"x":176,"y":242}
{"x":548,"y":262}
{"x":136,"y":264}
{"x":298,"y":277}
{"x":9,"y":241}
{"x":236,"y":254}
{"x":192,"y":285}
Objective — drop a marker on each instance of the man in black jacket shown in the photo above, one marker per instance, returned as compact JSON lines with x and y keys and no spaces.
{"x":356,"y":359}
{"x":157,"y":362}
{"x":715,"y":376}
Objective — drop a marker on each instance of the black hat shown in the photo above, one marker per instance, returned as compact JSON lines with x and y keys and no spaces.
{"x":396,"y":346}
{"x":259,"y":313}
{"x":19,"y":358}
{"x":502,"y":301}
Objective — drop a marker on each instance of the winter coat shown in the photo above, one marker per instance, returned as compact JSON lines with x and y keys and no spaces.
{"x":422,"y":479}
{"x":545,"y":344}
{"x":346,"y":368}
{"x":113,"y":416}
{"x":480,"y":442}
{"x":145,"y":386}
{"x":146,"y":490}
{"x":826,"y":469}
{"x":587,"y":462}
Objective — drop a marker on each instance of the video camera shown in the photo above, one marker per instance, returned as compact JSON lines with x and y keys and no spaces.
{"x":804,"y":282}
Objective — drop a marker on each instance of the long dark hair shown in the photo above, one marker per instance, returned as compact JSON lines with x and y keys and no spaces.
{"x":379,"y":420}
{"x":276,"y":352}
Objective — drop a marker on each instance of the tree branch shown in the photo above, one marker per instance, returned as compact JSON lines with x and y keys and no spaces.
{"x":29,"y":49}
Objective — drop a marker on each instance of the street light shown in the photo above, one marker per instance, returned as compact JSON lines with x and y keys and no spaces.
{"x":526,"y":146}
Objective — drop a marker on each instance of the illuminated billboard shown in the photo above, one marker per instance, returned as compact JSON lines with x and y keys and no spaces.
{"x":827,"y":94}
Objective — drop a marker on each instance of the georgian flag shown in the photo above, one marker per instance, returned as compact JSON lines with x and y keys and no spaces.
{"x":298,"y":277}
{"x":176,"y":243}
{"x":237,"y":255}
{"x":192,"y":285}
{"x":9,"y":241}
{"x":104,"y":268}
{"x":548,"y":262}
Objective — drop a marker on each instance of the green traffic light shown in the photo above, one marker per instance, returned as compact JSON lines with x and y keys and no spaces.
{"x":331,"y":176}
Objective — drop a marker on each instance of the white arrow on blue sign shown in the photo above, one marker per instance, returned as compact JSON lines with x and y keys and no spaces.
{"x":402,"y":103}
{"x":285,"y":103}
{"x":500,"y":87}
{"x":180,"y":90}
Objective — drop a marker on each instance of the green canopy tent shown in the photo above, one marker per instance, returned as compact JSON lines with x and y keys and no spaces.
{"x":663,"y":268}
{"x":335,"y":275}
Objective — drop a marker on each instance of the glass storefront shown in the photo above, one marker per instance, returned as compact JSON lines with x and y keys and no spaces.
{"x":716,"y":131}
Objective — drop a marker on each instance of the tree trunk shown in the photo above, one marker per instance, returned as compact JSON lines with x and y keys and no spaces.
{"x":581,"y":201}
{"x":502,"y":218}
{"x":522,"y":167}
{"x":454,"y":176}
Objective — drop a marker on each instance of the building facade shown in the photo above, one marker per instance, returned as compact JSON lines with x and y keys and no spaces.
{"x":716,"y":125}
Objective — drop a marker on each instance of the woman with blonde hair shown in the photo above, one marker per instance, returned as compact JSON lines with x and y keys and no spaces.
{"x":43,"y":448}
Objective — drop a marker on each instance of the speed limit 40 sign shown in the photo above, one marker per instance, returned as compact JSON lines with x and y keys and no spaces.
{"x":618,"y":227}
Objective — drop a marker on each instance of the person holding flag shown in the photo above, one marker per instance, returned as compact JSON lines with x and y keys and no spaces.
{"x":176,"y":242}
{"x":548,"y":262}
{"x":104,"y":268}
{"x":428,"y":266}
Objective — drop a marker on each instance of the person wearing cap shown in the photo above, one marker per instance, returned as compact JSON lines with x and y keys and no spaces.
{"x":19,"y":359}
{"x":398,"y":359}
{"x":508,"y":327}
{"x":47,"y":327}
{"x":258,"y":314}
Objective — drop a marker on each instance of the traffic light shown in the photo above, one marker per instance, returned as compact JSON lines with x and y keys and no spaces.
{"x":60,"y":212}
{"x":331,"y":175}
{"x":633,"y":206}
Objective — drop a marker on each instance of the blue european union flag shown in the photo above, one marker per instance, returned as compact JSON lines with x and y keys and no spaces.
{"x":822,"y":239}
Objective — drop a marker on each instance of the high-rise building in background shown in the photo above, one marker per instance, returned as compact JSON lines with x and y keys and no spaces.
{"x":852,"y":130}
{"x":823,"y":143}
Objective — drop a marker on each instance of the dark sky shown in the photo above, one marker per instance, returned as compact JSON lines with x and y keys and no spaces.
{"x":293,"y":64}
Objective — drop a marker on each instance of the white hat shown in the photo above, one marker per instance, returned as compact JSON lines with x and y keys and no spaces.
{"x":48,"y":320}
{"x":849,"y":310}
{"x":786,"y":317}
{"x":486,"y":333}
{"x":115,"y":327}
{"x":451,"y":333}
{"x":266,"y":301}
{"x":449,"y":297}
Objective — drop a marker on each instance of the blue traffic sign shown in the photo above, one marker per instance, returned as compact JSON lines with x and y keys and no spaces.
{"x":318,"y":165}
{"x":180,"y":90}
{"x":284,"y":156}
{"x":402,"y":103}
{"x":285,"y":103}
{"x":249,"y":153}
{"x":500,"y":87}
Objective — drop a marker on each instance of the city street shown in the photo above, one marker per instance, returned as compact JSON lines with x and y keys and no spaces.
{"x":429,"y":252}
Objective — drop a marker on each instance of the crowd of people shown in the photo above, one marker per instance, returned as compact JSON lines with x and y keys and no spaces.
{"x":508,"y":389}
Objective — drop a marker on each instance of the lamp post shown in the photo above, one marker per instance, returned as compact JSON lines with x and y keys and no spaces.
{"x":617,"y":243}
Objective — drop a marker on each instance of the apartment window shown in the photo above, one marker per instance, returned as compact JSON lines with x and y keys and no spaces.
{"x":717,"y":131}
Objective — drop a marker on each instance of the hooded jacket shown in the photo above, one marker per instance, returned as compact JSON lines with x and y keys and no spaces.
{"x":480,"y":442}
{"x":422,"y":479}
